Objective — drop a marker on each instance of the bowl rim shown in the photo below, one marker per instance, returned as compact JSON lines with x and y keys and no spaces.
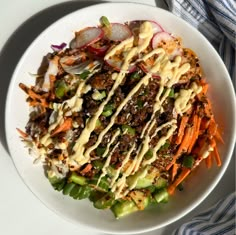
{"x":187,"y":209}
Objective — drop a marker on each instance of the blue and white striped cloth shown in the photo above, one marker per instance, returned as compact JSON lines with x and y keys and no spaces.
{"x":217,"y":220}
{"x":216,"y":20}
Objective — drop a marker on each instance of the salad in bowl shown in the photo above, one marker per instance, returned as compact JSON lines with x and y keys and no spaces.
{"x":121,"y":116}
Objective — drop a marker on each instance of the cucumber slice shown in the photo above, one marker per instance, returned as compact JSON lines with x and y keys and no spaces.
{"x":140,"y":198}
{"x":124,"y":208}
{"x":161,"y":196}
{"x":67,"y":189}
{"x":161,"y":183}
{"x":78,"y":179}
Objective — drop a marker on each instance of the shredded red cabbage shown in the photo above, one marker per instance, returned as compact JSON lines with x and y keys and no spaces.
{"x":58,"y":47}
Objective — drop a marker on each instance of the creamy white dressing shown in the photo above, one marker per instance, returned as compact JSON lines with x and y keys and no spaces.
{"x":117,"y":133}
{"x":107,"y":163}
{"x":118,"y":171}
{"x":185,"y":95}
{"x":207,"y":152}
{"x":160,"y":143}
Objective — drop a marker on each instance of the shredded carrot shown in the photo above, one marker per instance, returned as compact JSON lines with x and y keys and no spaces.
{"x":22,"y":133}
{"x":184,"y":173}
{"x":86,"y":169}
{"x":212,"y":128}
{"x":205,"y":87}
{"x":205,"y":122}
{"x":182,"y":148}
{"x":23,"y":87}
{"x":174,"y":171}
{"x":217,"y":156}
{"x":207,"y":109}
{"x":218,"y":136}
{"x":183,"y":124}
{"x":33,"y":95}
{"x":66,"y":125}
{"x":52,"y":80}
{"x":196,"y":130}
{"x":208,"y":161}
{"x":36,"y":99}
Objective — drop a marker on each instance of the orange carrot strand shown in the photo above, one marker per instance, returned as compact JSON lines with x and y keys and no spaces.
{"x":208,"y":161}
{"x":217,"y":157}
{"x":218,"y":136}
{"x":182,"y":148}
{"x":66,"y":125}
{"x":174,"y":171}
{"x":196,"y":133}
{"x":183,"y":124}
{"x":184,"y":173}
{"x":22,"y":133}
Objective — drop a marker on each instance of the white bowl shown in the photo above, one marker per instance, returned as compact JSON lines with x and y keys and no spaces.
{"x":82,"y":213}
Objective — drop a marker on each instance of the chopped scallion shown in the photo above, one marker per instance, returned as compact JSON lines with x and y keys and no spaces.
{"x":188,"y":161}
{"x":104,"y":21}
{"x":84,"y":75}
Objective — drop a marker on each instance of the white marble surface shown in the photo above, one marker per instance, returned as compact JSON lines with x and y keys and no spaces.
{"x":21,"y":213}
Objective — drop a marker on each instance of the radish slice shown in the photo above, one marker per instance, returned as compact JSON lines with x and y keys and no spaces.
{"x":135,"y":25}
{"x":159,"y":37}
{"x":118,"y":32}
{"x":99,"y":51}
{"x":156,"y":27}
{"x":116,"y":64}
{"x":176,"y":52}
{"x":88,"y":36}
{"x":147,"y":69}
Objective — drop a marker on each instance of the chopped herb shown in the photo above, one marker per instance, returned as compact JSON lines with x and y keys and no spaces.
{"x":128,"y":129}
{"x":180,"y":187}
{"x":188,"y":161}
{"x":98,"y":95}
{"x":139,"y":103}
{"x":148,"y":154}
{"x":107,"y":113}
{"x":61,"y":89}
{"x":98,"y":164}
{"x":172,"y":93}
{"x":104,"y":21}
{"x":84,"y":75}
{"x":100,"y":151}
{"x":135,"y":75}
{"x":165,"y":146}
{"x":108,"y":110}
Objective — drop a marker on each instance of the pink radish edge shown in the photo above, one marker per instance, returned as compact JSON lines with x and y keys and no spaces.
{"x":136,"y":24}
{"x":118,"y":32}
{"x":156,"y":27}
{"x":88,"y":36}
{"x":117,"y":65}
{"x":146,"y":70}
{"x":99,"y":51}
{"x":160,"y":36}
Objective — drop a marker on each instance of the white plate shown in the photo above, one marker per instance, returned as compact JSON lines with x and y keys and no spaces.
{"x":82,"y":213}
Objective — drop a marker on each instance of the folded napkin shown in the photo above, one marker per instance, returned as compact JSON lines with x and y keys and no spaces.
{"x":216,"y":20}
{"x":217,"y":220}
